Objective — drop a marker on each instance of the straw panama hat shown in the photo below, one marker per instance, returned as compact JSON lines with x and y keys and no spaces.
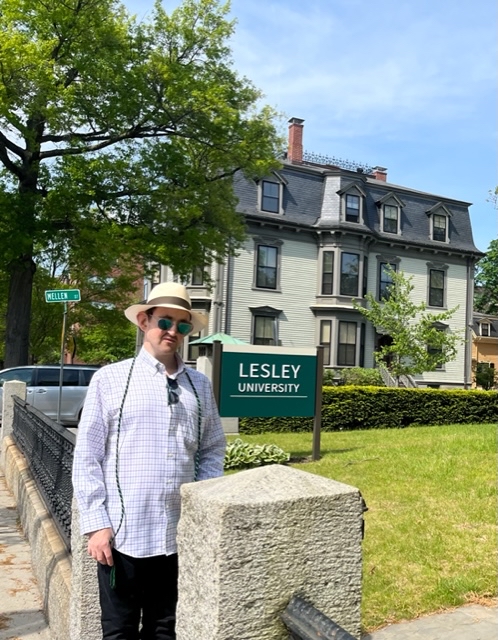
{"x":170,"y":295}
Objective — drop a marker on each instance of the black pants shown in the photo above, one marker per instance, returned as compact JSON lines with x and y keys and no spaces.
{"x":145,"y":589}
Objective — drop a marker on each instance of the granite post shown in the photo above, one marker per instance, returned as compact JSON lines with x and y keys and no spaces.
{"x":84,"y":605}
{"x":10,"y":389}
{"x":250,"y":541}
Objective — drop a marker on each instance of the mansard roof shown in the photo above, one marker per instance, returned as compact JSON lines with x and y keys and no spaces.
{"x":304,"y":199}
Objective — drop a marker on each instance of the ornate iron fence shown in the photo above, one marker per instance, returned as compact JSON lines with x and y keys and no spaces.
{"x":48,"y":448}
{"x":305,"y":622}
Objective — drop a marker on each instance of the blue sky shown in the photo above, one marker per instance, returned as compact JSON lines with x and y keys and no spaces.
{"x":404,"y":84}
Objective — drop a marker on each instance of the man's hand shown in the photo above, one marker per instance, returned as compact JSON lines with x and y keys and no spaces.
{"x":99,"y":546}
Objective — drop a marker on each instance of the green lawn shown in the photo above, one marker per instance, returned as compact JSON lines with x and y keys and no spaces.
{"x":431,"y":528}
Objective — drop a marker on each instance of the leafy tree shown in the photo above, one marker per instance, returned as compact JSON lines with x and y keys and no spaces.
{"x":119,"y":139}
{"x":417,"y":340}
{"x":486,"y":281}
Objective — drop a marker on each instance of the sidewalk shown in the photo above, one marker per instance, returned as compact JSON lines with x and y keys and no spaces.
{"x":471,"y":622}
{"x":21,"y":616}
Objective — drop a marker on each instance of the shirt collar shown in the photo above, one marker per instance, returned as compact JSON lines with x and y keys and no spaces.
{"x":148,"y":359}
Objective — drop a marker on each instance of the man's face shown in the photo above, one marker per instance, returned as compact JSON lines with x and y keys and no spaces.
{"x":160,"y":343}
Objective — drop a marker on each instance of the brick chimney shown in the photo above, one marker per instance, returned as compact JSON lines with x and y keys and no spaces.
{"x":380,"y":173}
{"x":295,"y":150}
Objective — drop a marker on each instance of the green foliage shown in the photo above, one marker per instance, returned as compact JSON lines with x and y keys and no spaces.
{"x":362,"y":377}
{"x":348,"y":408}
{"x":120,"y":139}
{"x":485,"y":376}
{"x":486,"y":281}
{"x":330,"y":376}
{"x":240,"y":455}
{"x":418,"y":342}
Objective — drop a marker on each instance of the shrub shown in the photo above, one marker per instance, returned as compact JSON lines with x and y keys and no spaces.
{"x":362,"y":377}
{"x":241,"y":455}
{"x":355,"y":407}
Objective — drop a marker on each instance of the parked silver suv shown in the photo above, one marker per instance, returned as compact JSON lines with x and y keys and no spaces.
{"x":42,"y":388}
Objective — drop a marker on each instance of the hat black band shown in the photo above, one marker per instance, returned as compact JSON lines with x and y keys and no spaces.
{"x":165,"y":300}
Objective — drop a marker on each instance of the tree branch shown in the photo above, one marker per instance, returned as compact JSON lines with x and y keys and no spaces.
{"x":5,"y":159}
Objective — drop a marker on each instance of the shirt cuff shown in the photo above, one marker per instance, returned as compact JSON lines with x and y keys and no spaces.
{"x":94,"y":521}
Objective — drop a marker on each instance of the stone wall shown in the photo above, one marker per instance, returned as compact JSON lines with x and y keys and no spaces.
{"x":50,"y":558}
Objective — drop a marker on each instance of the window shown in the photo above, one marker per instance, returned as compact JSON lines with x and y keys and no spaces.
{"x":326,"y":339}
{"x":193,"y":349}
{"x":365,"y":276}
{"x":391,"y":214}
{"x":328,"y":273}
{"x":350,"y":263}
{"x":264,"y":331}
{"x":439,"y":224}
{"x":436,"y":351}
{"x":197,"y":277}
{"x":385,"y":279}
{"x":390,"y":207}
{"x":346,"y":352}
{"x":23,"y":375}
{"x":484,"y":326}
{"x":266,"y":267}
{"x":270,"y":196}
{"x":362,"y":344}
{"x":436,"y":288}
{"x":352,"y":202}
{"x":352,"y":208}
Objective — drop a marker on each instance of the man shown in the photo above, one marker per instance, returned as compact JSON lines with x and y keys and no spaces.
{"x":148,"y":426}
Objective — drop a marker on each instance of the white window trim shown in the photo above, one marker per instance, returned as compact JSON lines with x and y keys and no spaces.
{"x":489,"y":329}
{"x":439,"y":210}
{"x":275,"y":243}
{"x":437,"y":266}
{"x":265,"y":312}
{"x":352,"y":190}
{"x":275,"y":178}
{"x":390,"y":200}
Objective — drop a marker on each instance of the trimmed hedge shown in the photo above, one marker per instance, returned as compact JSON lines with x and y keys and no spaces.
{"x":349,"y":408}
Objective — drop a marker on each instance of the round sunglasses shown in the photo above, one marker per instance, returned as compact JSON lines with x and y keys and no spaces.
{"x":184,"y":327}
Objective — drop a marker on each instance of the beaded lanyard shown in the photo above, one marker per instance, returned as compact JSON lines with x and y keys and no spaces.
{"x":196,"y":459}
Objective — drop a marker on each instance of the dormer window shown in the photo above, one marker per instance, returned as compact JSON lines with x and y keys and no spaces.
{"x":390,"y":213}
{"x":271,"y":192}
{"x":391,"y":217}
{"x":270,"y":196}
{"x":439,"y":224}
{"x":439,"y":218}
{"x":352,"y":208}
{"x":352,"y":199}
{"x":484,"y":326}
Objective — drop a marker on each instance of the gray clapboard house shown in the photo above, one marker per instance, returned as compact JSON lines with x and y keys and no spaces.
{"x":320,"y":233}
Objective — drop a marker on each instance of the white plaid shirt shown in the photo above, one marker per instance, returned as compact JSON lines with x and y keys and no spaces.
{"x":157,"y":446}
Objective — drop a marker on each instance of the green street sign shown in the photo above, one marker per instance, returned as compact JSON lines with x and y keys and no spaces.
{"x":63,"y":295}
{"x":259,"y":381}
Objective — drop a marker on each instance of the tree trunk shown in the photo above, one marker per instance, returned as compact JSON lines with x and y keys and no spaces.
{"x":19,"y":312}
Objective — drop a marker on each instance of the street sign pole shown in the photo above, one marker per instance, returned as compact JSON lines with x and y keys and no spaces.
{"x":65,"y":296}
{"x":61,"y":373}
{"x":317,"y":422}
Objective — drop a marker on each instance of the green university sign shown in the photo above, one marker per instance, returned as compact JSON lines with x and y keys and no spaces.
{"x":257,"y":381}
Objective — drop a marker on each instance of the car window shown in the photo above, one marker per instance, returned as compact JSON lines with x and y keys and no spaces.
{"x":24,"y":375}
{"x":87,"y":376}
{"x":71,"y":377}
{"x":47,"y":377}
